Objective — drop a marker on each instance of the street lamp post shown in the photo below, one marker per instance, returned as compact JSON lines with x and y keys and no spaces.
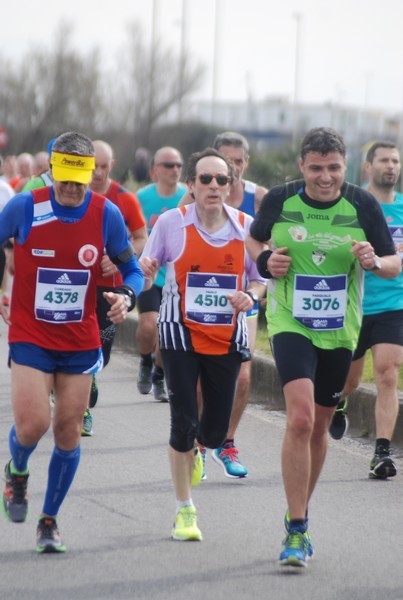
{"x":295,"y":115}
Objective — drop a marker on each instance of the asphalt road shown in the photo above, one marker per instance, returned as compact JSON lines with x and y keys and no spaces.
{"x":117,"y":518}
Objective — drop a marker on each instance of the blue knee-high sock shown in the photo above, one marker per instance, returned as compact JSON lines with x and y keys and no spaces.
{"x":62,"y":468}
{"x":19,"y":453}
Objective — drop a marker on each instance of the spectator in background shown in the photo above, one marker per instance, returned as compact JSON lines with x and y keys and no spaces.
{"x":141,"y":165}
{"x":155,"y":199}
{"x":45,"y":177}
{"x":382,"y":324}
{"x":129,"y":206}
{"x":10,"y":170}
{"x":25,"y":167}
{"x":41,"y":163}
{"x":6,"y":193}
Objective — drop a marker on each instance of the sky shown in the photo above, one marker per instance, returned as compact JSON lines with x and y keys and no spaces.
{"x":348,"y":52}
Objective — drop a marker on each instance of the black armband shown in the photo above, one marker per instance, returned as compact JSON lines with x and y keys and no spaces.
{"x":124,"y":256}
{"x":127,"y":291}
{"x":261,"y":264}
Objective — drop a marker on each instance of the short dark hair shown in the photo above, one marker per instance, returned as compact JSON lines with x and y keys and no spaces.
{"x":371,"y":152}
{"x":322,"y":140}
{"x":231,"y":138}
{"x":196,"y":156}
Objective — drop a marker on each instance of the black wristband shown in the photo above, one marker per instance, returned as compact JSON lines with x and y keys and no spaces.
{"x":126,"y":290}
{"x":261,"y":264}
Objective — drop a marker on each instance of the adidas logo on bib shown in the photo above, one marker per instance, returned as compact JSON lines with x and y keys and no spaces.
{"x":63,"y":279}
{"x":321,"y":285}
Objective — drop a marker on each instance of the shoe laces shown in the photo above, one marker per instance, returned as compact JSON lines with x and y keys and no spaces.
{"x":48,"y":528}
{"x":145,"y":372}
{"x":188,"y":516}
{"x":382,"y":452}
{"x":230,"y":452}
{"x":17,"y":485}
{"x":295,"y":540}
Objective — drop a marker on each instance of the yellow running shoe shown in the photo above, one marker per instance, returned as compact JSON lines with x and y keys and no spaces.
{"x":185,"y":527}
{"x":197,"y":468}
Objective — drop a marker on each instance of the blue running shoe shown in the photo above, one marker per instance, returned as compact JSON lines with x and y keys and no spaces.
{"x":227,"y":456}
{"x":295,"y":549}
{"x":309,"y":546}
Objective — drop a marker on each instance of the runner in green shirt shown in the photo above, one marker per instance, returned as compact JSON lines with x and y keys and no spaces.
{"x":323,"y":234}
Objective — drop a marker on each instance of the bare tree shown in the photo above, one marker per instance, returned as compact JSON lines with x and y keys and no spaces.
{"x":153,"y":80}
{"x":51,"y":92}
{"x":63,"y":89}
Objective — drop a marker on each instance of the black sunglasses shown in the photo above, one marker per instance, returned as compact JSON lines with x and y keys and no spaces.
{"x":206,"y":178}
{"x":170,"y":165}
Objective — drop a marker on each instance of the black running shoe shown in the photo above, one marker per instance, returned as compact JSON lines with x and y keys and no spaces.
{"x":93,"y":392}
{"x":15,"y":499}
{"x":48,"y":537}
{"x":382,"y":466}
{"x":159,"y":390}
{"x":339,"y":425}
{"x":144,"y":383}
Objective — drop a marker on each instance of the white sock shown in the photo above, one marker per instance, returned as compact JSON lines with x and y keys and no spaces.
{"x":181,"y":503}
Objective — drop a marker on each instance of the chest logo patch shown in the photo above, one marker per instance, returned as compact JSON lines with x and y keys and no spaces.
{"x":298,"y":233}
{"x":45,"y":253}
{"x":87,"y":255}
{"x":318,"y":256}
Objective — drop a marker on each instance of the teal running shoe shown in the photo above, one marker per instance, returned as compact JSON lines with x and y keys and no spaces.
{"x":227,"y":456}
{"x":295,"y":549}
{"x":86,"y":430}
{"x":308,"y":539}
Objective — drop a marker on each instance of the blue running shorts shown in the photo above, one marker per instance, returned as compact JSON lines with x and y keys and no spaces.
{"x":50,"y":361}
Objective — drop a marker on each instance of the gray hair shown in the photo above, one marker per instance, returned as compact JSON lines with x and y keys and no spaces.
{"x":231,"y":138}
{"x":74,"y":143}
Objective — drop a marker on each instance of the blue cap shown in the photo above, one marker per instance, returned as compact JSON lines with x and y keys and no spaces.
{"x":50,"y":145}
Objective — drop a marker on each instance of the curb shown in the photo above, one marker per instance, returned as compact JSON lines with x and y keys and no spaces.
{"x":266,"y":389}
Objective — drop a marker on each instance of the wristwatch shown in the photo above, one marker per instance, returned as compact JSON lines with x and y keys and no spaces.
{"x":127,"y":301}
{"x":377,"y":265}
{"x":253,"y":296}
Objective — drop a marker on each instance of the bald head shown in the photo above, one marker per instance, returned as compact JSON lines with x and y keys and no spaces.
{"x":104,"y":163}
{"x":25,"y":162}
{"x":41,"y":163}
